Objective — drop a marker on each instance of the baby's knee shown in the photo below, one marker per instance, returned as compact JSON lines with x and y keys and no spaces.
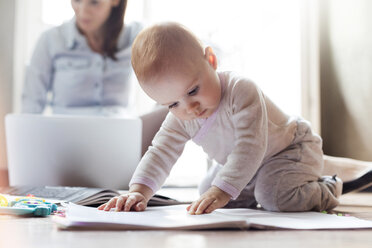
{"x":266,"y":192}
{"x":266,"y":199}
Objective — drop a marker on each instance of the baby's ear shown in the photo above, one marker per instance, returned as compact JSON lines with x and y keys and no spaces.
{"x":210,"y":56}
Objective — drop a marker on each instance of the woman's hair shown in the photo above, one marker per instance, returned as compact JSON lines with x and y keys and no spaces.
{"x":112,"y":28}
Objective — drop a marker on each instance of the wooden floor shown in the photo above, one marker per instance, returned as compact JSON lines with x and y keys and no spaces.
{"x":40,"y":232}
{"x":357,"y":204}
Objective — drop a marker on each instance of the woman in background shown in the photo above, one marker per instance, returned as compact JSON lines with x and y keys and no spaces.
{"x":83,"y":66}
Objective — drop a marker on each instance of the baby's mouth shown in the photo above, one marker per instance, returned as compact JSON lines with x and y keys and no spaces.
{"x":202,"y":113}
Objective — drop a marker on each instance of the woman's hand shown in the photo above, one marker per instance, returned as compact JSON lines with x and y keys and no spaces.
{"x":212,"y":199}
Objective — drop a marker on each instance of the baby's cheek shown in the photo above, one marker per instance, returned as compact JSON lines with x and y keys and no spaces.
{"x":180,"y":114}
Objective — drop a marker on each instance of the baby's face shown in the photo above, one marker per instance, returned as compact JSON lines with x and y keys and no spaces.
{"x":188,"y":95}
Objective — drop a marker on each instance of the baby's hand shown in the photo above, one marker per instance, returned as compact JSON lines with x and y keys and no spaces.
{"x":126,"y":202}
{"x":212,"y":199}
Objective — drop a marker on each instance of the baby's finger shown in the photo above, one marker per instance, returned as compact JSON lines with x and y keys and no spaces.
{"x":131,"y":200}
{"x":211,"y":207}
{"x":188,"y":207}
{"x":101,"y":206}
{"x":203,"y":205}
{"x":110,"y":204}
{"x":194,"y":206}
{"x":120,"y":203}
{"x":140,"y":206}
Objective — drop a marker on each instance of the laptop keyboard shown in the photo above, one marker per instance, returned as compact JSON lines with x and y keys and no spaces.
{"x":58,"y":193}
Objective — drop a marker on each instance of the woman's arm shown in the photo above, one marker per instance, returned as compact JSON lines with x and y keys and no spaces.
{"x":38,"y":78}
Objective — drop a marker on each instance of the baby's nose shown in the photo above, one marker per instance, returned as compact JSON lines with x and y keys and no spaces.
{"x":192,"y":107}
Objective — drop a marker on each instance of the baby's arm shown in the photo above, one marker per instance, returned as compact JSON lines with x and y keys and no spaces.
{"x":212,"y":199}
{"x":136,"y":199}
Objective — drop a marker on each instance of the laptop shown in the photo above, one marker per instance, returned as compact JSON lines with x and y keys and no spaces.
{"x":81,"y":151}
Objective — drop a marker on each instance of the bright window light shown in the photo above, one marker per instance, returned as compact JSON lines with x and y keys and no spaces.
{"x":55,"y":12}
{"x":258,"y":39}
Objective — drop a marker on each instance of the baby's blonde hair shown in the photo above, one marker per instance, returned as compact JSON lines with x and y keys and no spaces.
{"x":163,"y":47}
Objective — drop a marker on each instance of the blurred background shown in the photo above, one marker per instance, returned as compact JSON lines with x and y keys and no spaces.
{"x":313,"y":58}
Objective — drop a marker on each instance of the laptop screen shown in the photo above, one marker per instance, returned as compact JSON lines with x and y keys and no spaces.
{"x":84,"y":151}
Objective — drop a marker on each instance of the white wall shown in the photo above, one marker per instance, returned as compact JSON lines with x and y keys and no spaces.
{"x":346,"y":77}
{"x":7,"y":10}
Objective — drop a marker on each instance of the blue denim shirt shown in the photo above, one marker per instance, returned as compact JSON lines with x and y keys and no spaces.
{"x":80,"y":80}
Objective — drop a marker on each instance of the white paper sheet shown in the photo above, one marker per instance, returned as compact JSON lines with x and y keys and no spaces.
{"x":169,"y":217}
{"x":297,"y":220}
{"x":176,"y":217}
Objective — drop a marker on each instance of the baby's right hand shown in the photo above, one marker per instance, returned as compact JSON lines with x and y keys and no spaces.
{"x":126,"y":202}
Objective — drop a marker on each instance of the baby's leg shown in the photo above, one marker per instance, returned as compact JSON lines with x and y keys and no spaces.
{"x":345,"y":168}
{"x":291,"y":180}
{"x":285,"y":187}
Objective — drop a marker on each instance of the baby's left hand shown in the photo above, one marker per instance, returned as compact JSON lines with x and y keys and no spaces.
{"x":212,"y":199}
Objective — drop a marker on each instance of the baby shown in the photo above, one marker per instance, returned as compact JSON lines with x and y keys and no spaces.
{"x":266,"y":156}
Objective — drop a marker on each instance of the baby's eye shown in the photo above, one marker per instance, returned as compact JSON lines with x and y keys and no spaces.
{"x":194,"y":91}
{"x":94,"y":2}
{"x":173,"y":105}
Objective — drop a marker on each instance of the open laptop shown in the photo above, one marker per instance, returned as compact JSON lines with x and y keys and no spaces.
{"x":84,"y":151}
